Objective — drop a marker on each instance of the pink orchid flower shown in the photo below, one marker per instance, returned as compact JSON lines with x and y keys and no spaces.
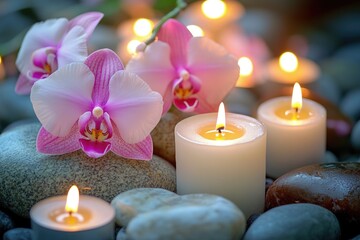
{"x":52,"y":44}
{"x":96,"y":106}
{"x":193,"y":73}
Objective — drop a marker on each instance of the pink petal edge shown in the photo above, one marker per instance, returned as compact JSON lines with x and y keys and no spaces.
{"x":23,"y":85}
{"x":177,"y":36}
{"x":47,"y":143}
{"x":103,"y":63}
{"x":88,"y":21}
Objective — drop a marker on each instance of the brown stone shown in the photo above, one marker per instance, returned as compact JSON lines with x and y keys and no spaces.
{"x":335,"y":186}
{"x":163,"y":134}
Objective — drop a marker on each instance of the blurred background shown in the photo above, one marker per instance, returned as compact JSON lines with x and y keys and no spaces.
{"x":257,"y":32}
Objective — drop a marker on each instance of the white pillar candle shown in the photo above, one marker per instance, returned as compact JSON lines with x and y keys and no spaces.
{"x":93,"y":220}
{"x":230,"y":164}
{"x":295,"y":138}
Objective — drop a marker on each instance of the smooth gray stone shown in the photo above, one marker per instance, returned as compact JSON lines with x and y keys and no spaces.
{"x":330,"y":157}
{"x":344,"y":72}
{"x":351,"y":51}
{"x":327,"y":88}
{"x":28,"y":176}
{"x":18,"y":234}
{"x":350,"y":104}
{"x":133,"y":202}
{"x":6,"y":223}
{"x":355,"y":136}
{"x":240,"y":100}
{"x":13,"y":107}
{"x":160,"y":214}
{"x":295,"y":221}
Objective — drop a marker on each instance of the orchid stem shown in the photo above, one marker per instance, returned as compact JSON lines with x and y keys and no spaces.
{"x":180,"y":5}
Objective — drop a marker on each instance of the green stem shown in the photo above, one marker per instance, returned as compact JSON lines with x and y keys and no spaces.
{"x":180,"y":5}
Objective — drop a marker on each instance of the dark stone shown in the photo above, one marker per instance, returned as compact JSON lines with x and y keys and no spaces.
{"x":6,"y":223}
{"x":13,"y":107}
{"x":350,"y":104}
{"x":295,"y":221}
{"x":355,"y":136}
{"x":252,"y":219}
{"x":335,"y":186}
{"x":18,"y":234}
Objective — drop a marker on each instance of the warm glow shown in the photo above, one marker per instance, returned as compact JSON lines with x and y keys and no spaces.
{"x":246,"y":66}
{"x":72,"y":200}
{"x":213,"y":9}
{"x":195,"y":30}
{"x":288,"y":62}
{"x":296,"y":100}
{"x":0,"y":60}
{"x":143,"y":27}
{"x":132,"y":45}
{"x":220,"y":122}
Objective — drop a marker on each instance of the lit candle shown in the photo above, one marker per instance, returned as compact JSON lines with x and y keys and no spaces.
{"x":246,"y":78}
{"x":72,"y":217}
{"x":222,"y":159}
{"x":296,"y":132}
{"x":290,"y":69}
{"x":2,"y":69}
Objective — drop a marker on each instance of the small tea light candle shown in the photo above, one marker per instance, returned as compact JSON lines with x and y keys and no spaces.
{"x":290,"y":69}
{"x":296,"y":132}
{"x":246,"y":77}
{"x":224,"y":157}
{"x":72,"y":217}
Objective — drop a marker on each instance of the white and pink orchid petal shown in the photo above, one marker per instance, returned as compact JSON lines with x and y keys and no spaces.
{"x":23,"y":85}
{"x":83,"y":122}
{"x":154,"y":67}
{"x":103,"y":64}
{"x":62,"y":98}
{"x":40,"y":56}
{"x":177,"y":36}
{"x":49,"y":144}
{"x":217,"y":70}
{"x":73,"y":47}
{"x":40,"y":35}
{"x":186,"y":105}
{"x":140,"y":151}
{"x":167,"y":99}
{"x":94,"y":149}
{"x":133,"y":106}
{"x":88,"y":21}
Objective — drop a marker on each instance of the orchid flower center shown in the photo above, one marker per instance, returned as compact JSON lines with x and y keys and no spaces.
{"x":184,"y":88}
{"x":97,"y":128}
{"x":45,"y":63}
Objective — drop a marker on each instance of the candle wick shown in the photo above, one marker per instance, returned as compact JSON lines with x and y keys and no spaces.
{"x":70,"y":213}
{"x":220,"y":128}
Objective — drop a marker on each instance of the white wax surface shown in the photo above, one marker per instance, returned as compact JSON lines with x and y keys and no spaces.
{"x":292,"y":144}
{"x":234,"y":169}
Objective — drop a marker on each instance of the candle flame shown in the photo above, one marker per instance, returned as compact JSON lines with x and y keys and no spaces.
{"x":72,"y":200}
{"x":296,"y":100}
{"x":0,"y":60}
{"x":288,"y":62}
{"x":220,"y":122}
{"x":143,"y":27}
{"x":213,"y":9}
{"x":246,"y":66}
{"x":195,"y":30}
